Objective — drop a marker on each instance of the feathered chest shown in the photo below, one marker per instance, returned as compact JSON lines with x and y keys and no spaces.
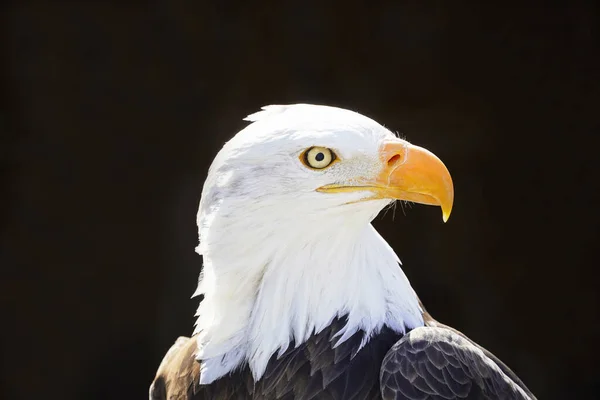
{"x":313,"y":370}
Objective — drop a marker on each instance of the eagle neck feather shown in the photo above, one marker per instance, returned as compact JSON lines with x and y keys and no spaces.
{"x":259,"y":300}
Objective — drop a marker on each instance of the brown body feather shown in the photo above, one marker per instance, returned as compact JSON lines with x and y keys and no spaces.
{"x":313,"y":370}
{"x":178,"y":374}
{"x":316,"y":370}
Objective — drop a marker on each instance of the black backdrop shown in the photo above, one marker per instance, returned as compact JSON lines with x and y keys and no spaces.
{"x":112,"y":112}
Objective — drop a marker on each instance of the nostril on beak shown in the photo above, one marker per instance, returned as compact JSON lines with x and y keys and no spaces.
{"x":393,"y":160}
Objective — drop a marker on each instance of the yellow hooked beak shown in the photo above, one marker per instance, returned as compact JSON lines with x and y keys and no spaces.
{"x":409,"y":173}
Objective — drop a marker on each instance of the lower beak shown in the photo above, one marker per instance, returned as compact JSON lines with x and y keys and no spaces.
{"x":409,"y":173}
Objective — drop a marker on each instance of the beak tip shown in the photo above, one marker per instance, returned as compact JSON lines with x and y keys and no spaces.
{"x":446,"y":215}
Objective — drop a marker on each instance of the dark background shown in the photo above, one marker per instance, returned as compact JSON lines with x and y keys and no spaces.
{"x":112,"y":112}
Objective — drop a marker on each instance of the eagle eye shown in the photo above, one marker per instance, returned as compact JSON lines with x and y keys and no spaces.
{"x":317,"y":157}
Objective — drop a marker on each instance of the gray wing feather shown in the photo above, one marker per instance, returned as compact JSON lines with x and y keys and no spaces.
{"x":438,"y":363}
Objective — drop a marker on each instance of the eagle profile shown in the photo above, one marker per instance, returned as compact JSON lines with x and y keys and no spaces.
{"x":303,"y":299}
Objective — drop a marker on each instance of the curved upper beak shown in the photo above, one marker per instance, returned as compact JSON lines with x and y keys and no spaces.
{"x":413,"y":173}
{"x":409,"y":173}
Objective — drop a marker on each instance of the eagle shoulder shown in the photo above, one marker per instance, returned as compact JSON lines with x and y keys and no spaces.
{"x":178,"y":374}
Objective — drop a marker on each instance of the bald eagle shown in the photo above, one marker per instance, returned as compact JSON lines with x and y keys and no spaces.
{"x":303,"y":299}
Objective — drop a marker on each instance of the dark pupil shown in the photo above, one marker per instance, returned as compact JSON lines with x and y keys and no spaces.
{"x":319,"y":156}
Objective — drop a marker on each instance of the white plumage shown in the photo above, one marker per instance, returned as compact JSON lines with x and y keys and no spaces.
{"x":281,"y":260}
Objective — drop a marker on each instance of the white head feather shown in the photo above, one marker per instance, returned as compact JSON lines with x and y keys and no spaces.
{"x":282,"y":260}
